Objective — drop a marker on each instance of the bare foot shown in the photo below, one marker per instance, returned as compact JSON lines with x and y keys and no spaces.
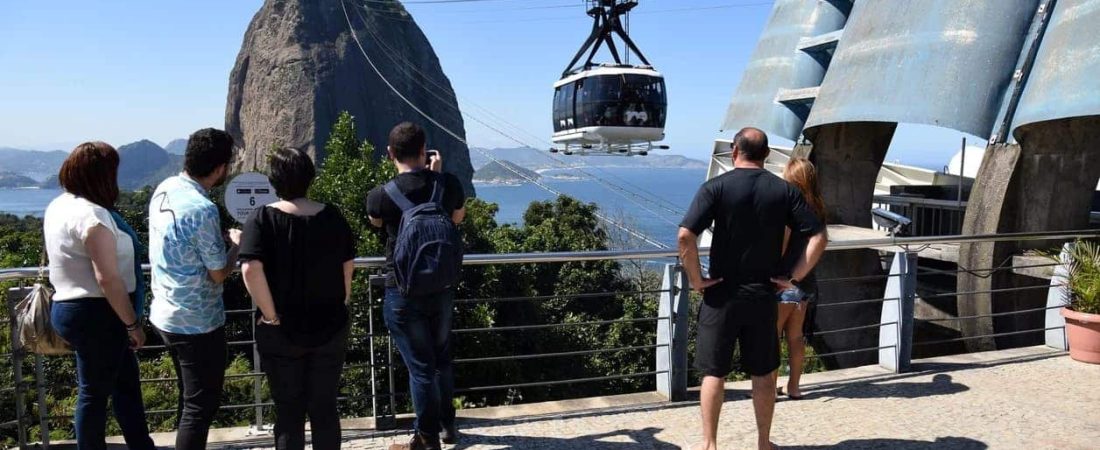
{"x":768,"y":446}
{"x":706,"y":446}
{"x":794,"y":391}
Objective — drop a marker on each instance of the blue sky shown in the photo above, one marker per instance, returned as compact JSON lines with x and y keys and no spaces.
{"x":123,"y":70}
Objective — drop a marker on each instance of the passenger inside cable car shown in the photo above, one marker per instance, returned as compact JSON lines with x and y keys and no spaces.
{"x":622,"y":100}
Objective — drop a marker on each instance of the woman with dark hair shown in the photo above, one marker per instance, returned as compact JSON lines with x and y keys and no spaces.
{"x":298,"y":263}
{"x":796,"y":317}
{"x":98,"y":299}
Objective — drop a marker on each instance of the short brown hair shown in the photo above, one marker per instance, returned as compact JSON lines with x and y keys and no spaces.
{"x":406,"y":141}
{"x":91,"y":172}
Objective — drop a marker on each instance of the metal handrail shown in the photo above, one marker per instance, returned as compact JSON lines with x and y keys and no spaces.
{"x":903,"y":200}
{"x":667,"y":318}
{"x":620,"y":255}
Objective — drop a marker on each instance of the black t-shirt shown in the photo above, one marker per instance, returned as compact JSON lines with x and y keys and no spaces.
{"x":749,"y":209}
{"x":417,"y":187}
{"x":303,"y":259}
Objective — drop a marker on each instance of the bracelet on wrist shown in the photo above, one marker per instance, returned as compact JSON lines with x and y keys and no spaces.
{"x":134,"y":326}
{"x":264,"y":320}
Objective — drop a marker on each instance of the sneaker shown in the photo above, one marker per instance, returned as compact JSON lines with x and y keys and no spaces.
{"x":449,"y":435}
{"x":419,"y":441}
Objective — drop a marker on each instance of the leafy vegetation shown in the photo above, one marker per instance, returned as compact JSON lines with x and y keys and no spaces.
{"x":1082,"y":287}
{"x":578,"y":299}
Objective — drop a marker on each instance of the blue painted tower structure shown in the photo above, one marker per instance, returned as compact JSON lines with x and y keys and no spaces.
{"x":837,"y":76}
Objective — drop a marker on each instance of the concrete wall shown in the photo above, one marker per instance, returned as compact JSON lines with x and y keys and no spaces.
{"x":848,"y":157}
{"x":1046,"y":182}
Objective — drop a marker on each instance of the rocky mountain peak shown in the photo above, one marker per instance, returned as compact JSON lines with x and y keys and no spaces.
{"x":300,"y":66}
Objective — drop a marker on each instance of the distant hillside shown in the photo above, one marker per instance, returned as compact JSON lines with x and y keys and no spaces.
{"x":535,"y":159}
{"x":504,"y":172}
{"x":144,"y":163}
{"x":30,"y":163}
{"x":176,"y":147}
{"x":10,"y":180}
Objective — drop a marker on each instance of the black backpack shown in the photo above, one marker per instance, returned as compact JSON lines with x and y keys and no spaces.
{"x":427,"y":254}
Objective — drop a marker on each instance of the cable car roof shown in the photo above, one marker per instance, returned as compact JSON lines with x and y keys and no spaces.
{"x":608,"y":70}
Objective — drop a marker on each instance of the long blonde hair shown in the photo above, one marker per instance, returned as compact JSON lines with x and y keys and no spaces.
{"x":802,"y":174}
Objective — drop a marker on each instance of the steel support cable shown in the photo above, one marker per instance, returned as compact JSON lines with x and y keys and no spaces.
{"x":437,"y":2}
{"x":410,"y":67}
{"x":394,"y":56}
{"x":655,"y":11}
{"x":426,"y":116}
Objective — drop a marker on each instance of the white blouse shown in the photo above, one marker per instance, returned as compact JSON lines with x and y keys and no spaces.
{"x":66,"y":224}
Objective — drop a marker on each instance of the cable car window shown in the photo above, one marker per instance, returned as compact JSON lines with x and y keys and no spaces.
{"x":624,"y":100}
{"x":563,"y":107}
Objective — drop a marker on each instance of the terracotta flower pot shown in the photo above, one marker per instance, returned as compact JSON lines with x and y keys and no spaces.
{"x":1083,"y":332}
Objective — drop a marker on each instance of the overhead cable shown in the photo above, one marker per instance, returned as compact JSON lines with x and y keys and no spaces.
{"x":445,"y":129}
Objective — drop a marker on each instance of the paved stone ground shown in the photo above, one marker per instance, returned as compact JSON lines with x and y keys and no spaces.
{"x":1024,"y":398}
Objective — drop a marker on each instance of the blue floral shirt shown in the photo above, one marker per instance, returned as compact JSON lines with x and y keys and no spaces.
{"x":185,"y":241}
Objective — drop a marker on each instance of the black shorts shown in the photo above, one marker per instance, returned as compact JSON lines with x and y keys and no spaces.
{"x":748,"y":320}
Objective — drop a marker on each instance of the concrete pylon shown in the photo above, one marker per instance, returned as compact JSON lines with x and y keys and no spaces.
{"x":1046,"y":182}
{"x":848,"y":157}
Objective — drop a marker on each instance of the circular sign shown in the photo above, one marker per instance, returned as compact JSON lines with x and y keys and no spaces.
{"x":246,"y":193}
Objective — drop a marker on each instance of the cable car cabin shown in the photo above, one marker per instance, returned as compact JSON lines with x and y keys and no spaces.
{"x":612,"y":109}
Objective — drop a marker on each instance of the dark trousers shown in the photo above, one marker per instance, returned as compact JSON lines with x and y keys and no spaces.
{"x":105,"y":367}
{"x":421,"y":328}
{"x":304,"y":381}
{"x":200,"y":366}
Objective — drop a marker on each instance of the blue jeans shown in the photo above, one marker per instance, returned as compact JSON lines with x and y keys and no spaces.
{"x":421,"y":328}
{"x":105,"y":367}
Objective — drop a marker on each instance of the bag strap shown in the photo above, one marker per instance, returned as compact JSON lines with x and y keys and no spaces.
{"x":42,"y":263}
{"x":437,"y":190}
{"x":397,"y":197}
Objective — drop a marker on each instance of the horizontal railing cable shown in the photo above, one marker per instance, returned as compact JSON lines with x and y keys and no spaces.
{"x":993,"y":335}
{"x":557,"y":325}
{"x":555,"y":355}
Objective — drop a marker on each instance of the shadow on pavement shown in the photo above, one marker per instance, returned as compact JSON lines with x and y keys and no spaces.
{"x":616,"y":440}
{"x":941,"y":384}
{"x":943,"y":443}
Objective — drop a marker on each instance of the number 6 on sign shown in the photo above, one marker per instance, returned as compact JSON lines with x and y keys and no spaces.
{"x":246,"y":192}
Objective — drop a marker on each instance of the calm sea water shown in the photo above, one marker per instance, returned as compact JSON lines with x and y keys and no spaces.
{"x":23,"y":202}
{"x":630,"y":204}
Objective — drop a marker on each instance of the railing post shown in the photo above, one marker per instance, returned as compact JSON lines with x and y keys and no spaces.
{"x":43,"y":411}
{"x":386,"y":419}
{"x":257,"y":381}
{"x":13,"y":296}
{"x":896,"y":331}
{"x":1055,"y":323}
{"x":672,"y":334}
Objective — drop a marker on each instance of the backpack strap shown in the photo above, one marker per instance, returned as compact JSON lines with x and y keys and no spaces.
{"x":437,"y":190}
{"x":398,"y":198}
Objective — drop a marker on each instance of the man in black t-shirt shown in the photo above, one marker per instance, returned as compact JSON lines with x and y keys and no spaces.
{"x":420,"y":326}
{"x":750,"y":209}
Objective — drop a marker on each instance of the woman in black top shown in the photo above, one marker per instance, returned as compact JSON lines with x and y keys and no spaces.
{"x":298,"y":264}
{"x":796,"y":319}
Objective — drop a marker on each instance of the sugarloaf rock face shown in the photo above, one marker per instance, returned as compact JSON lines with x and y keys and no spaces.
{"x":300,"y":66}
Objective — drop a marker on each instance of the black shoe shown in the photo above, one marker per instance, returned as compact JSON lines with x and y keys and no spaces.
{"x":449,"y":435}
{"x":419,"y":441}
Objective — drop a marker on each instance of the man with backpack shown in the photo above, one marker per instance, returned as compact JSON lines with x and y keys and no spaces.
{"x":420,"y":210}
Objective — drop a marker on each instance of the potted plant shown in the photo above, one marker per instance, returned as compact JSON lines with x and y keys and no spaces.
{"x":1081,"y":288}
